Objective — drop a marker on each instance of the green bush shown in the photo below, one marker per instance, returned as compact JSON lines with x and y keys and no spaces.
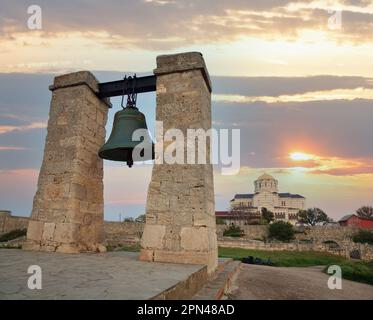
{"x":233,"y":231}
{"x":263,"y":222}
{"x":359,"y":271}
{"x":363,"y":236}
{"x":220,"y":220}
{"x":14,"y":234}
{"x":281,"y":230}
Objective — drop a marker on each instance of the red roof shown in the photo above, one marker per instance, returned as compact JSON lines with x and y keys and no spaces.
{"x":222,"y":213}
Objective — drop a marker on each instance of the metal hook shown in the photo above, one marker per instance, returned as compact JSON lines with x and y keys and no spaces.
{"x":131,"y":96}
{"x":125,"y":85}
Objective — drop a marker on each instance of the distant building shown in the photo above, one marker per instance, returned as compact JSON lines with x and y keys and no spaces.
{"x":352,"y":220}
{"x":238,"y":217}
{"x":285,"y":206}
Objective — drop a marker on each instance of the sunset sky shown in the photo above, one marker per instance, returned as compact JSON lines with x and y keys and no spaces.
{"x":297,"y":85}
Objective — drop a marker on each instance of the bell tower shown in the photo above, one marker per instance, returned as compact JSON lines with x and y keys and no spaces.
{"x":67,"y":214}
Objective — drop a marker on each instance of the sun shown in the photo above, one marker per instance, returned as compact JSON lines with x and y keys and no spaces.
{"x":300,"y":156}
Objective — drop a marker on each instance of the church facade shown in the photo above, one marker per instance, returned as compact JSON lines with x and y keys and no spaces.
{"x":285,"y":206}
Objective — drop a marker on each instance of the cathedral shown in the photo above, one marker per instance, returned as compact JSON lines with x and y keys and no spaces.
{"x":285,"y":206}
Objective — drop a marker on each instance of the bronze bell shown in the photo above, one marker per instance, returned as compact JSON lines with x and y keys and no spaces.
{"x":120,"y":146}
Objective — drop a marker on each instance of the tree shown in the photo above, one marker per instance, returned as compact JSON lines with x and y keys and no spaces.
{"x":233,"y":231}
{"x":128,"y":219}
{"x":363,"y":236}
{"x":220,"y":220}
{"x":313,"y":216}
{"x":365,"y":212}
{"x":267,"y":215}
{"x":281,"y":230}
{"x":141,"y":218}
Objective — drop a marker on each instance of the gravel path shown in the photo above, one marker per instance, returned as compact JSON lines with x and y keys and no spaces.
{"x":262,"y":282}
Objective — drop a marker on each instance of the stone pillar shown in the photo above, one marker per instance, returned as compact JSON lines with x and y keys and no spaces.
{"x":67,"y":214}
{"x":180,"y":210}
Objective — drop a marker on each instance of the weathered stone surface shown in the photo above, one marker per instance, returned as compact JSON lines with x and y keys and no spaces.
{"x":153,"y":236}
{"x":67,"y":213}
{"x":48,"y":231}
{"x":35,"y":230}
{"x":107,"y":276}
{"x":193,"y":238}
{"x":180,"y":204}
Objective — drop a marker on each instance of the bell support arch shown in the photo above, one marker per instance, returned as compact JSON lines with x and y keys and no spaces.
{"x":67,"y":214}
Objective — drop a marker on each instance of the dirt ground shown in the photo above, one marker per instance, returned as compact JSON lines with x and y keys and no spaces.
{"x":275,"y":283}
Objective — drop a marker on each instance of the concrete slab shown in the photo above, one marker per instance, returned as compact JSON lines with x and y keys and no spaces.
{"x":112,"y":275}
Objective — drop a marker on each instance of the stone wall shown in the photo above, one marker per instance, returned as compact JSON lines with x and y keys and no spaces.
{"x":317,"y":233}
{"x":9,"y":222}
{"x":325,"y":233}
{"x":122,"y":233}
{"x":366,"y":251}
{"x":128,"y":233}
{"x":254,"y":232}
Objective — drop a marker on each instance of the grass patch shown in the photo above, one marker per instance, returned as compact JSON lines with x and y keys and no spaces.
{"x":359,"y":271}
{"x":283,"y":258}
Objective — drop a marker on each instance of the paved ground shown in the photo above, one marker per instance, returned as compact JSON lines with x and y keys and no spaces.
{"x":262,"y":282}
{"x":113,"y":275}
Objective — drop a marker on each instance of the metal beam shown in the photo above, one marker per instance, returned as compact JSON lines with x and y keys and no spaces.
{"x":115,"y":88}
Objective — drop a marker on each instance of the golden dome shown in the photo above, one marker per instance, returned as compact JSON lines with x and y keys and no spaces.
{"x":266,"y":176}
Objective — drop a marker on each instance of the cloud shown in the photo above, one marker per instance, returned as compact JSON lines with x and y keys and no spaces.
{"x":337,"y":94}
{"x":34,"y":125}
{"x":338,"y":128}
{"x":11,"y":148}
{"x":163,"y":25}
{"x":331,"y":165}
{"x":285,"y":86}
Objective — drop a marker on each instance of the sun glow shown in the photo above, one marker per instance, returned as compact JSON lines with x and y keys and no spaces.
{"x":300,"y":156}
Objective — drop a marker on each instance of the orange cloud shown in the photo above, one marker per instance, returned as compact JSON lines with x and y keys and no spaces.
{"x":34,"y":125}
{"x":10,"y":148}
{"x":329,"y":165}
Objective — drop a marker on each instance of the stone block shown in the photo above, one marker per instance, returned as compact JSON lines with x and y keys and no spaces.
{"x":153,"y":236}
{"x":187,"y":257}
{"x":195,"y":238}
{"x":67,"y":233}
{"x":67,"y":248}
{"x":48,"y":231}
{"x":30,"y":246}
{"x":146,"y":255}
{"x":35,"y":230}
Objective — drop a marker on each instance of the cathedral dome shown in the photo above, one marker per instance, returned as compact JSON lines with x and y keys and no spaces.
{"x":266,"y":183}
{"x":265,"y":176}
